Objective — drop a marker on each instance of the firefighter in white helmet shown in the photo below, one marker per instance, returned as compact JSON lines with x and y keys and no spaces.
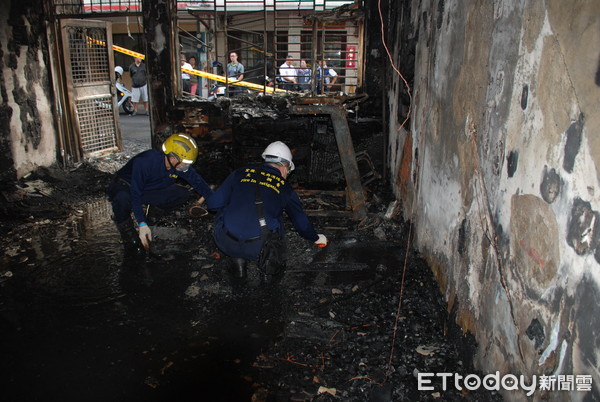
{"x":237,"y":230}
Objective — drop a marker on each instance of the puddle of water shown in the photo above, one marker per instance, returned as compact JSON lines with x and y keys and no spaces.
{"x":82,"y":261}
{"x":63,"y":260}
{"x":121,"y":327}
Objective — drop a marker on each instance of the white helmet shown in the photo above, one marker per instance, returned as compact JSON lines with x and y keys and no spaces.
{"x":277,"y":152}
{"x":119,"y":70}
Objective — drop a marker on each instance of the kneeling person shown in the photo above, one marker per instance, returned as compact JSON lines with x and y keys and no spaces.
{"x":150,"y":178}
{"x":237,"y":229}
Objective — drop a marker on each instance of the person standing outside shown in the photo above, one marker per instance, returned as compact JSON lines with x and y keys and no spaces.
{"x":237,"y":230}
{"x":235,"y":71}
{"x":326,"y":77}
{"x":193,"y":77}
{"x":186,"y":85}
{"x":149,"y":178}
{"x":304,"y":76}
{"x":287,"y":72}
{"x":139,"y":85}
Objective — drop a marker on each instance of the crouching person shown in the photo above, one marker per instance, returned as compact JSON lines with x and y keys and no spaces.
{"x":249,"y":208}
{"x":149,"y":178}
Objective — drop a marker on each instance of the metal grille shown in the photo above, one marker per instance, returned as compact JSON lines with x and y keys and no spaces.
{"x":96,"y":123}
{"x":98,"y":212}
{"x":312,"y":40}
{"x":65,"y":7}
{"x":95,"y":214}
{"x":325,"y":162}
{"x":74,"y":7}
{"x":88,"y":57}
{"x":253,"y":5}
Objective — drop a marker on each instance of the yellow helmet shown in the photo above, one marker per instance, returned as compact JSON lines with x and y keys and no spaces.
{"x":182,"y":146}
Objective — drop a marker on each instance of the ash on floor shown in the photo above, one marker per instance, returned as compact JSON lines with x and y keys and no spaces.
{"x":79,"y":319}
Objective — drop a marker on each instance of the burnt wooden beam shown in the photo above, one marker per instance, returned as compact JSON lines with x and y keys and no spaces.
{"x":345,"y":146}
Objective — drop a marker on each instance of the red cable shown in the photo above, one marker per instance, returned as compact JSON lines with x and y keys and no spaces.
{"x":410,"y":225}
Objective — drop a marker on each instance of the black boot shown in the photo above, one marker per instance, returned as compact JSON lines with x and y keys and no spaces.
{"x":154,"y":214}
{"x":272,"y":273}
{"x":239,"y":268}
{"x":129,"y":235}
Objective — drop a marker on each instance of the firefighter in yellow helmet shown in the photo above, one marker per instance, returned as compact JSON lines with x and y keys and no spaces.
{"x":150,"y":178}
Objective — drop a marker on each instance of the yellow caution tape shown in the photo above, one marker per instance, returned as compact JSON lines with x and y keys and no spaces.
{"x":261,"y":51}
{"x":128,"y":52}
{"x":232,"y":81}
{"x":199,"y":73}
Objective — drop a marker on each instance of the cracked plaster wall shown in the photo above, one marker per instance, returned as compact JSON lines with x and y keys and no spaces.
{"x":27,"y":131}
{"x":506,"y":148}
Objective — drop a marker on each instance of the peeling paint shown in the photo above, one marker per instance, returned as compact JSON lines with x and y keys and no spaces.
{"x":587,"y":327}
{"x":524,"y":96}
{"x":551,"y":184}
{"x":581,"y":226}
{"x":159,"y":41}
{"x":29,"y":134}
{"x":561,"y":360}
{"x":597,"y":78}
{"x":535,"y":332}
{"x":462,"y":238}
{"x":512,"y":162}
{"x":534,"y":242}
{"x":440,"y":14}
{"x":573,"y":143}
{"x":551,"y":345}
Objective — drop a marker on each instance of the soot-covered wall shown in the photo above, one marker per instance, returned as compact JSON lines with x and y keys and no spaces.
{"x":498,"y":169}
{"x":27,"y":129}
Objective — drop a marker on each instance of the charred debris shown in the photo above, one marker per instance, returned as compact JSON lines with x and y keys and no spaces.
{"x":355,"y":321}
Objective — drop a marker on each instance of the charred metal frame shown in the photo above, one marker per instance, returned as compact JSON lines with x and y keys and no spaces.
{"x":337,"y":113}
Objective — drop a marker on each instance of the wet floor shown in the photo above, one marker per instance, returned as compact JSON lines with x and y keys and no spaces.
{"x":81,"y":320}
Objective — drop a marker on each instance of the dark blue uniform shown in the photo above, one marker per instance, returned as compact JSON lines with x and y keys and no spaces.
{"x":237,"y":231}
{"x":145,"y":180}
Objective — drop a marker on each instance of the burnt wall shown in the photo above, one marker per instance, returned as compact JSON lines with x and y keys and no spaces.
{"x":390,"y":78}
{"x":160,"y":34}
{"x":500,"y":162}
{"x":27,"y":130}
{"x":393,"y":18}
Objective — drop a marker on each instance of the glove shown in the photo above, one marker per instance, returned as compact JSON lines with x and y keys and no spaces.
{"x":322,"y":241}
{"x":145,"y":234}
